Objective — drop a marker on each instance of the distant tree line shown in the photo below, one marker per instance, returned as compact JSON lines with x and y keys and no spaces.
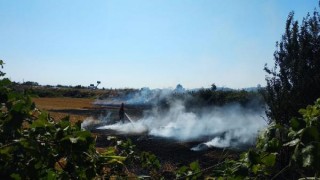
{"x":78,"y":91}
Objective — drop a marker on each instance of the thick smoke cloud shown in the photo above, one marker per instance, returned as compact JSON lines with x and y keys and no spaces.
{"x":226,"y":126}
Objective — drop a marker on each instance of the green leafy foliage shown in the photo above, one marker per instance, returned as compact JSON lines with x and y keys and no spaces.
{"x":33,"y":146}
{"x":192,"y":171}
{"x":289,"y":147}
{"x":144,"y":163}
{"x":294,"y":81}
{"x":306,"y":140}
{"x":301,"y":140}
{"x":150,"y":161}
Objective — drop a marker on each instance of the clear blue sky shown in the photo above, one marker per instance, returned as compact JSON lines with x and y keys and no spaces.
{"x":139,"y":43}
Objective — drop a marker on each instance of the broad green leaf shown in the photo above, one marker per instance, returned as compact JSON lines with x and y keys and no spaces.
{"x":73,"y":140}
{"x":269,"y":160}
{"x":6,"y":150}
{"x":83,"y":134}
{"x":109,"y":151}
{"x":66,"y":128}
{"x":256,"y":168}
{"x":120,"y":158}
{"x":293,"y":142}
{"x":38,"y":165}
{"x":51,"y":175}
{"x":307,"y":156}
{"x":183,"y":169}
{"x":253,"y":157}
{"x":297,"y":124}
{"x":273,"y":145}
{"x":310,"y":134}
{"x":307,"y":160}
{"x":114,"y":161}
{"x":38,"y":123}
{"x":292,"y":134}
{"x":296,"y":153}
{"x":240,"y":171}
{"x":194,"y":165}
{"x":15,"y":176}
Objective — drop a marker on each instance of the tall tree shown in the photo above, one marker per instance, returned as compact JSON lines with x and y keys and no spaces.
{"x":294,"y":81}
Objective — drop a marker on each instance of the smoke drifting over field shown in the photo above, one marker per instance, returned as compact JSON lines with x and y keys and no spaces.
{"x":226,"y":126}
{"x":144,"y":96}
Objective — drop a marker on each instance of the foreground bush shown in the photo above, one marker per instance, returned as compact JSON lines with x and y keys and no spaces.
{"x":33,"y":146}
{"x":301,"y":140}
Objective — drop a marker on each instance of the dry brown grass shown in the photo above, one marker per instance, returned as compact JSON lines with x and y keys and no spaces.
{"x":63,"y":103}
{"x":49,"y":104}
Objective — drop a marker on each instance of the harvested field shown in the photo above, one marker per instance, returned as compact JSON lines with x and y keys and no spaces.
{"x":63,"y":103}
{"x":79,"y":108}
{"x":61,"y":107}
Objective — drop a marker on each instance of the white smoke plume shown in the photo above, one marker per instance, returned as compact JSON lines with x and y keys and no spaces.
{"x":88,"y":123}
{"x":144,"y":96}
{"x":227,"y":126}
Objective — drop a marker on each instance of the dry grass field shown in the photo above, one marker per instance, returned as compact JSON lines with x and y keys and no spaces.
{"x":54,"y":105}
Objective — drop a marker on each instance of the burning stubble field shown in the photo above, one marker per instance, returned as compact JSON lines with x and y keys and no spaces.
{"x":172,"y":153}
{"x":165,"y":125}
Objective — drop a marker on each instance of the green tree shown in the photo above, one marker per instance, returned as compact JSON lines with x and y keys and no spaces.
{"x":290,"y":147}
{"x":213,"y":87}
{"x":294,"y":81}
{"x":1,"y":64}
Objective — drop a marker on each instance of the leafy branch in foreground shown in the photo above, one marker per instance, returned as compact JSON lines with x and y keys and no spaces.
{"x":33,"y":146}
{"x":302,"y":140}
